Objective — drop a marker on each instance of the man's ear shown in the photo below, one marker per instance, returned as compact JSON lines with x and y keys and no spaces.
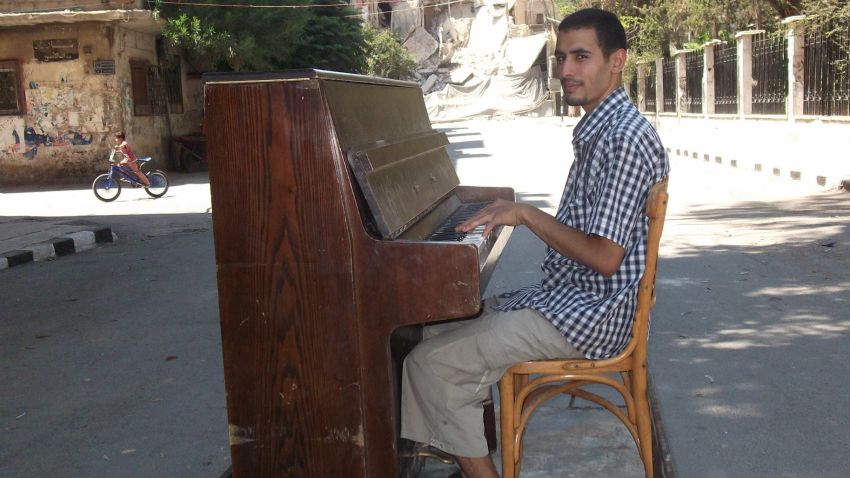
{"x":618,"y":60}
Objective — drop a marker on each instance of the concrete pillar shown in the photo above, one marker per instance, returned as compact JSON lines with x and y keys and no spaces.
{"x":641,"y":84}
{"x":681,"y":81}
{"x":708,"y":77}
{"x":795,"y":34}
{"x":745,"y":71}
{"x":659,"y":85}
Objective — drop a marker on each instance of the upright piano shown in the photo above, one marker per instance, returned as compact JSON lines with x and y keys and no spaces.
{"x":334,"y":204}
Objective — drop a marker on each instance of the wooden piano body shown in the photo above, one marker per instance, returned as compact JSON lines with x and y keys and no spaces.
{"x":316,"y":269}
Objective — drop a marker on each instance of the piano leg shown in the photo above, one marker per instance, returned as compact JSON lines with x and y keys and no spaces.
{"x":402,"y":341}
{"x":410,"y":459}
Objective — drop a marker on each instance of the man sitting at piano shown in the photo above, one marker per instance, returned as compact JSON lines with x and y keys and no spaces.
{"x":594,"y":261}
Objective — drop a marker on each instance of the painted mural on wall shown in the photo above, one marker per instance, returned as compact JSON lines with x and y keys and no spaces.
{"x":33,"y":140}
{"x":59,"y":114}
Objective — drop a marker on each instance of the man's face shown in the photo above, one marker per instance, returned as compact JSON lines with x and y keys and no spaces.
{"x":587,"y":77}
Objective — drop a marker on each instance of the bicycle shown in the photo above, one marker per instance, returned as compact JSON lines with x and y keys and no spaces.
{"x":107,"y":187}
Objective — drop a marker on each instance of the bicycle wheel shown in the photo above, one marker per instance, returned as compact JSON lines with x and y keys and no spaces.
{"x":105,"y":188}
{"x":159,"y":184}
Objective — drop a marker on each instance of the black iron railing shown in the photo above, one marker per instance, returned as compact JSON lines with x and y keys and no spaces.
{"x":826,"y":78}
{"x":649,"y":88}
{"x":770,"y":74}
{"x":694,"y":63}
{"x":668,"y":71}
{"x":726,"y":78}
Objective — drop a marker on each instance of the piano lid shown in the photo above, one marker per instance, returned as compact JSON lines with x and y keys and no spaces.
{"x":399,"y":161}
{"x":299,"y":75}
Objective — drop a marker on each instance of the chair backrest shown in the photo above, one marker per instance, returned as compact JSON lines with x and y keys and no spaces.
{"x":656,"y":211}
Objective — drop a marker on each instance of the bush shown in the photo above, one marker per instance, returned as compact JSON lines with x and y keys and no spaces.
{"x":386,"y":56}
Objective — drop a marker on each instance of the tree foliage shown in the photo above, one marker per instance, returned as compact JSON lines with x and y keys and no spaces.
{"x":659,"y":27}
{"x":237,"y":35}
{"x":386,"y":55}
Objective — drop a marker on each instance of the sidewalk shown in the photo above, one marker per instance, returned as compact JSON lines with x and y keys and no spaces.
{"x":28,"y":239}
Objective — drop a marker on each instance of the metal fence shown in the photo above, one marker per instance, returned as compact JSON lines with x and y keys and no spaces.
{"x":770,"y":74}
{"x":826,"y":78}
{"x":726,"y":79}
{"x":649,"y":88}
{"x":694,"y":63}
{"x":668,"y":71}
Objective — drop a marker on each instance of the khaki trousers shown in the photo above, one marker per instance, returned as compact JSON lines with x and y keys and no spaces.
{"x":450,"y":373}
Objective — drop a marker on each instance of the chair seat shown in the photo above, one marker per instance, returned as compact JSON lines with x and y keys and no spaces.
{"x":528,"y":385}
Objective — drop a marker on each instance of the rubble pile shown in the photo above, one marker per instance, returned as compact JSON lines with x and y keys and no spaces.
{"x":473,"y":60}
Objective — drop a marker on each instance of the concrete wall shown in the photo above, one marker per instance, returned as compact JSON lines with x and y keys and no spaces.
{"x":16,"y":6}
{"x":69,"y":110}
{"x":810,"y":150}
{"x":72,"y":113}
{"x":148,"y":135}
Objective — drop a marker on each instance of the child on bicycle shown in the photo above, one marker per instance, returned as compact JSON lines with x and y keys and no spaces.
{"x":130,"y":159}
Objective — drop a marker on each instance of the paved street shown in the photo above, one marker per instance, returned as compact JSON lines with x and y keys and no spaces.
{"x":112,"y":361}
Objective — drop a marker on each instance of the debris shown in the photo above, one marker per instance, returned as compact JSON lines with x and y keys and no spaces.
{"x":20,"y":416}
{"x":170,"y":358}
{"x":421,"y":45}
{"x":128,"y":451}
{"x":429,"y":83}
{"x":710,"y":378}
{"x":460,"y":76}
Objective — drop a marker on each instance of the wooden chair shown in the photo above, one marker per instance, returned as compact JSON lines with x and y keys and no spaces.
{"x":521,"y":394}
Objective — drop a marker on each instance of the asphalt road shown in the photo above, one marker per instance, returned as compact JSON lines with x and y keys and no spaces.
{"x":112,"y":363}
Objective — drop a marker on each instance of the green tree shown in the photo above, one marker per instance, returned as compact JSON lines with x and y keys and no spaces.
{"x":386,"y":55}
{"x":240,"y":35}
{"x":833,"y":14}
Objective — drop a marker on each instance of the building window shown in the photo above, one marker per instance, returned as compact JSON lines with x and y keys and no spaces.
{"x":11,"y":90}
{"x":172,"y":77}
{"x":148,"y":94}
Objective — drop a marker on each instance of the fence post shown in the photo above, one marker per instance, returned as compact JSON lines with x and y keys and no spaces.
{"x":659,"y":85}
{"x":641,"y":86}
{"x":745,"y":71}
{"x":795,"y":34}
{"x":681,"y":82}
{"x":708,"y":77}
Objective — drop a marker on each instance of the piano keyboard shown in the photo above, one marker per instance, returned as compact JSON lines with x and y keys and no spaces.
{"x":446,"y":232}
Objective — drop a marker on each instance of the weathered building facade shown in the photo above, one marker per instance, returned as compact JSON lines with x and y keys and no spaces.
{"x":71,"y":77}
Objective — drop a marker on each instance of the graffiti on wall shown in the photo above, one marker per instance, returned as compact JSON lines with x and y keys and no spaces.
{"x":33,"y":140}
{"x":53,"y":119}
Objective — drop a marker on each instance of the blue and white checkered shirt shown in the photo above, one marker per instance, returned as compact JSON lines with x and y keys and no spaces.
{"x":618,"y":157}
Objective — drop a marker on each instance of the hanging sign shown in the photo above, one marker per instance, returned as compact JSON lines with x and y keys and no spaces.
{"x":58,"y":49}
{"x":104,"y":67}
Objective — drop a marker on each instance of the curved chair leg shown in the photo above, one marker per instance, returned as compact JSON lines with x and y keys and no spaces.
{"x":506,"y":412}
{"x":644,"y":426}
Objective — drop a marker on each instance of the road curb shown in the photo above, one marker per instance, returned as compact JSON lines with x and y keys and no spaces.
{"x":61,"y":246}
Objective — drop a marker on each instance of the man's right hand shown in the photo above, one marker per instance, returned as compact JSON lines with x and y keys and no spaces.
{"x":498,"y":213}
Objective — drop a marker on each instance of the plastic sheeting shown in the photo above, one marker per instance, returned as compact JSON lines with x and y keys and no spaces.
{"x":490,"y":96}
{"x":505,"y":79}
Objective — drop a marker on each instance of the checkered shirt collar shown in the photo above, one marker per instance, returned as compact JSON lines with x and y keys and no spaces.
{"x":588,"y":126}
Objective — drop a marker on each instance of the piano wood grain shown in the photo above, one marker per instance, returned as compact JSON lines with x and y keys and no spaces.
{"x":309,"y":296}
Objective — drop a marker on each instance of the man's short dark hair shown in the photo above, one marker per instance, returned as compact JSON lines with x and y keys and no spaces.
{"x":121,"y":136}
{"x":609,"y":31}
